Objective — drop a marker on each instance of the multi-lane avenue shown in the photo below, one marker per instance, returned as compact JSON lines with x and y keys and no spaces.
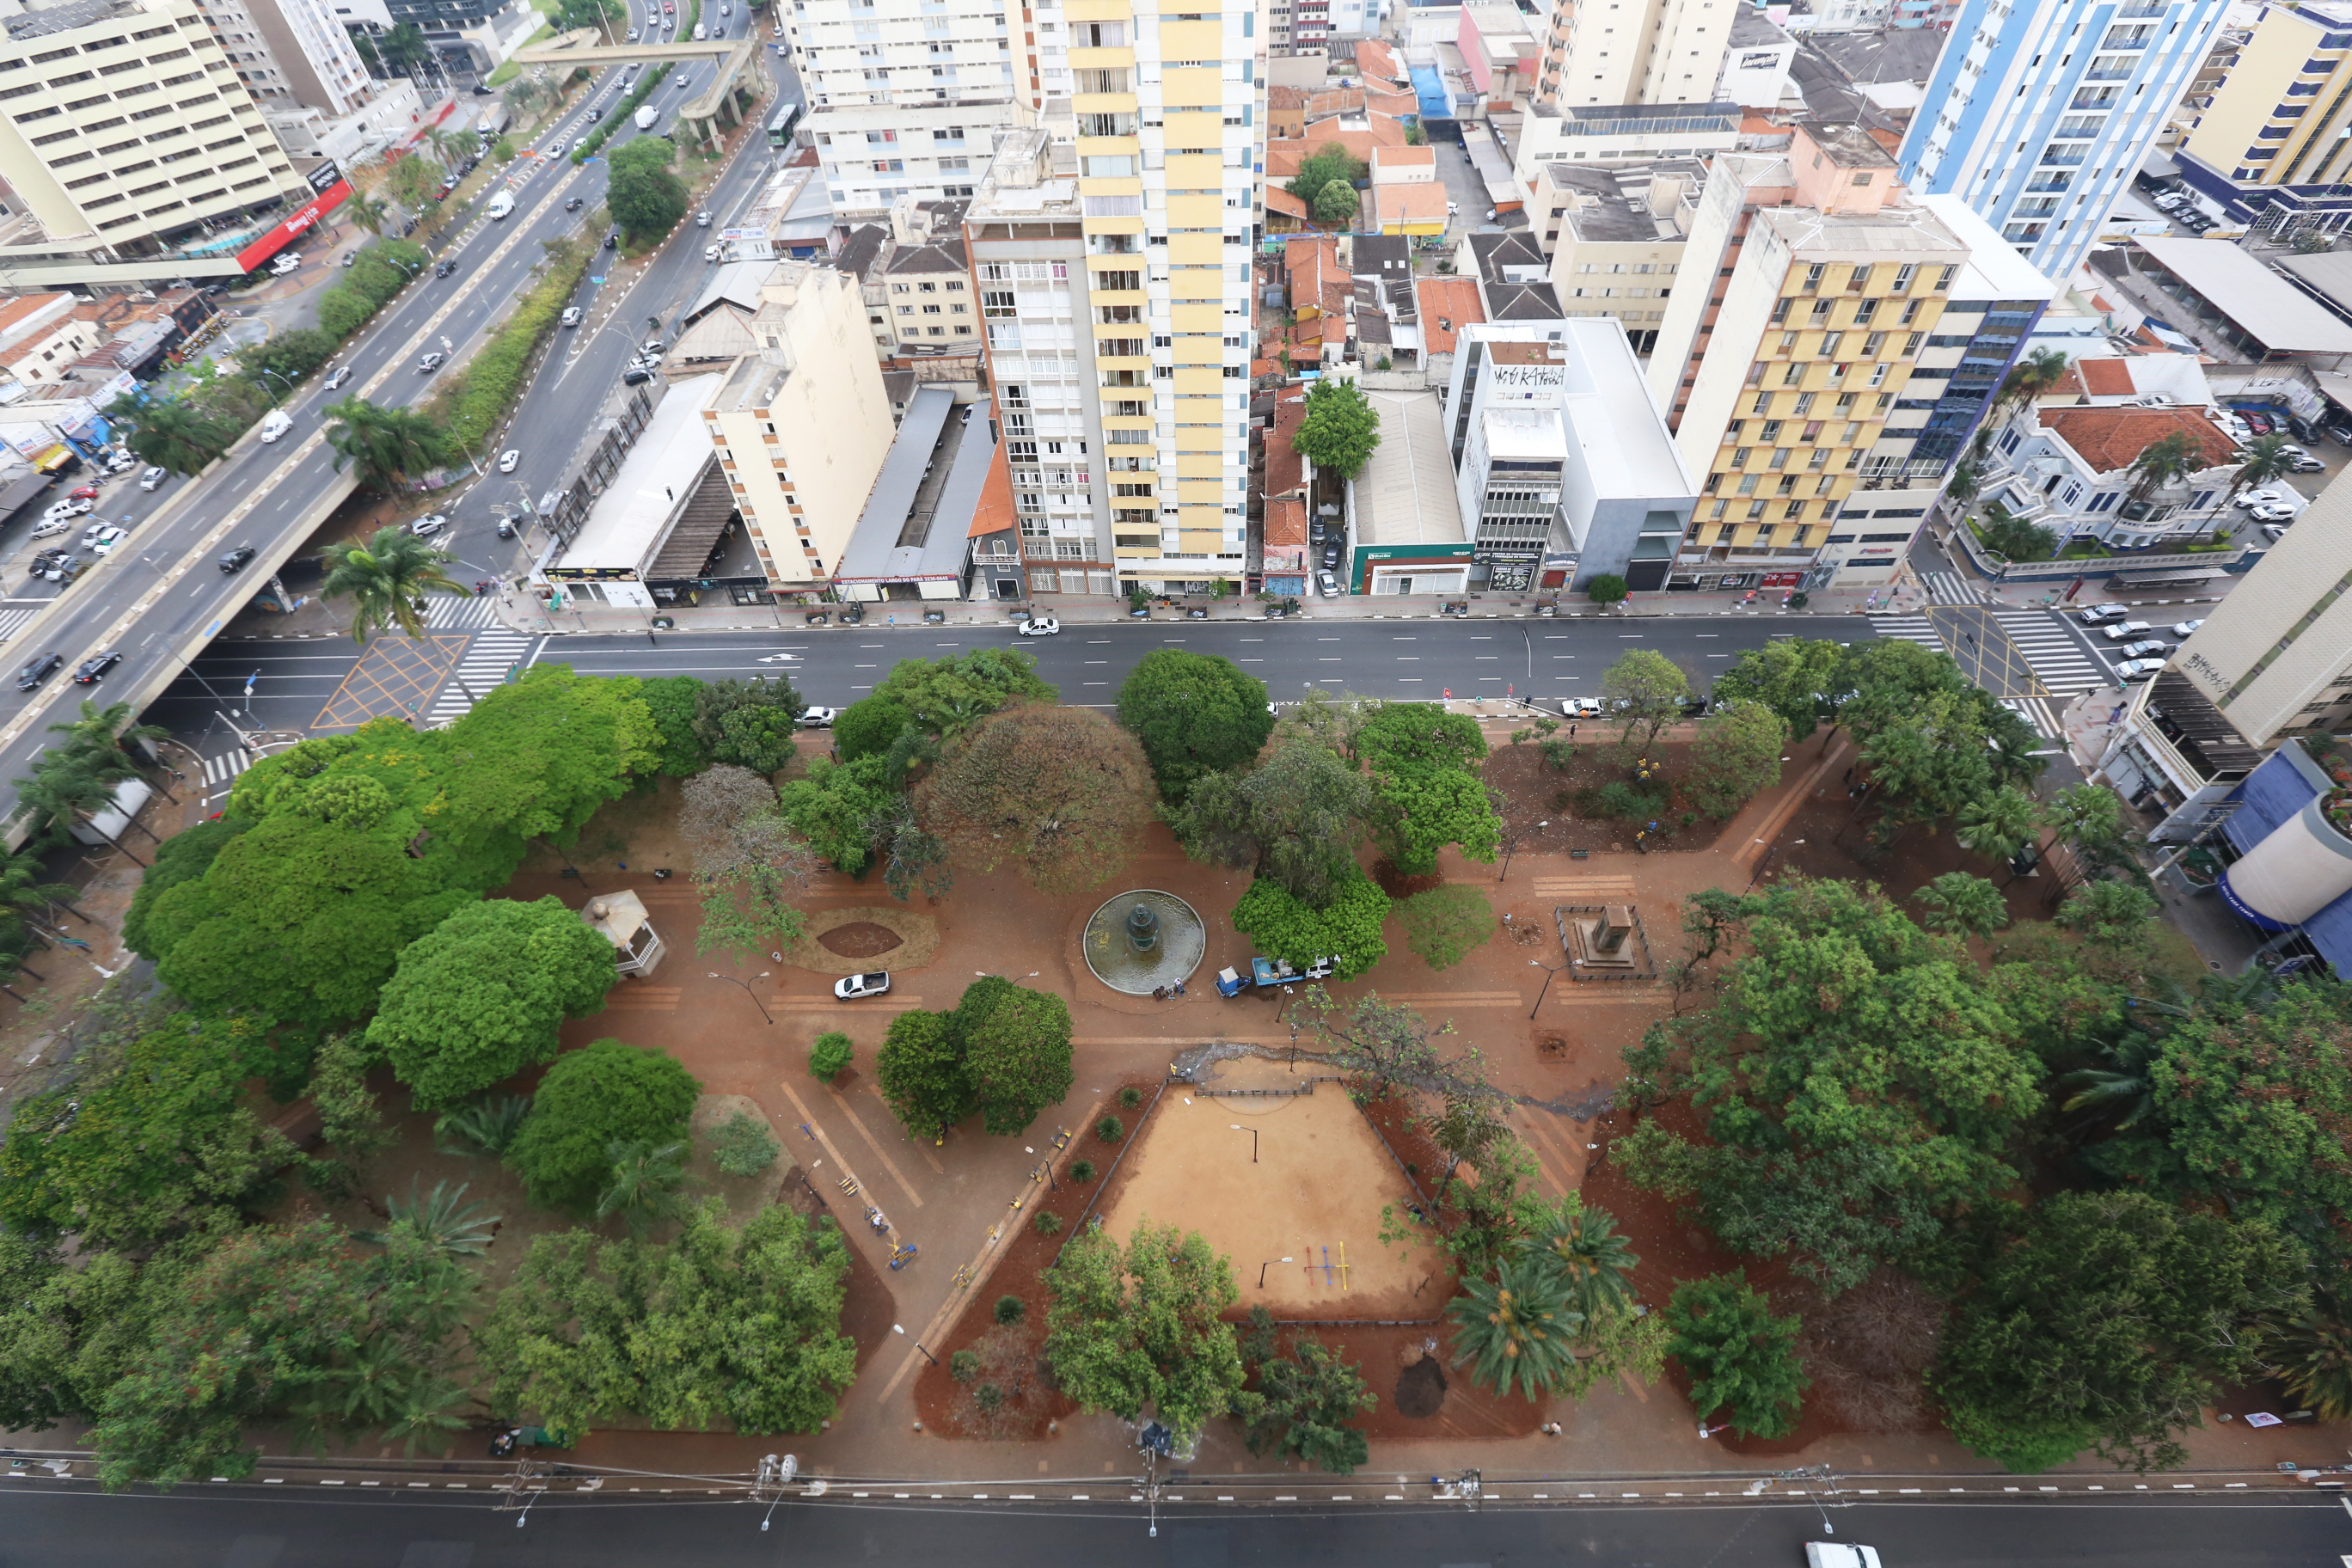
{"x":162,"y":596}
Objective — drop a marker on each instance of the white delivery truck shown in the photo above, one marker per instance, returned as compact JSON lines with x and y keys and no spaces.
{"x":501,"y":204}
{"x":647,"y":116}
{"x":275,"y":424}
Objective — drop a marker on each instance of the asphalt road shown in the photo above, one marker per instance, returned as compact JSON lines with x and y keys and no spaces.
{"x":80,"y":1528}
{"x":834,"y":665}
{"x":160,"y":588}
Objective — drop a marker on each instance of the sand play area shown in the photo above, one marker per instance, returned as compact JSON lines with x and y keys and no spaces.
{"x":1314,"y":1195}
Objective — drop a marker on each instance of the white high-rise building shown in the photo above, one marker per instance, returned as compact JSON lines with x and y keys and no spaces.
{"x":291,"y":52}
{"x":2038,"y":115}
{"x":1611,"y":52}
{"x":906,"y":100}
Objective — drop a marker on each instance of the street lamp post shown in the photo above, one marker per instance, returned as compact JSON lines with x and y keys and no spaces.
{"x":1511,"y":847}
{"x":1253,"y":1132}
{"x":1549,"y":970}
{"x":1264,"y":1267}
{"x":1764,"y":860}
{"x":754,"y":995}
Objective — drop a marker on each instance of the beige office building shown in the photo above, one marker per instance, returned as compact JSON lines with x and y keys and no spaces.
{"x":1608,"y":52}
{"x":2276,"y":654}
{"x":801,"y":423}
{"x":125,"y":133}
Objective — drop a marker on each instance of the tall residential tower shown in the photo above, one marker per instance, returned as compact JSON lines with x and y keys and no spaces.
{"x":2038,"y":115}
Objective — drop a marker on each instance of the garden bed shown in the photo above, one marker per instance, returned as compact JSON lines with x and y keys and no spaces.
{"x":1549,"y":810}
{"x":851,"y":941}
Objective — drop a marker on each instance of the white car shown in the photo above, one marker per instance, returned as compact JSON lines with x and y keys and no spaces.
{"x":510,"y":459}
{"x":2093,"y":614}
{"x":557,"y":149}
{"x":1838,"y":1555}
{"x":849,"y":988}
{"x":1327,"y":584}
{"x":2147,"y":648}
{"x":817,"y":718}
{"x":1040,"y":626}
{"x":709,"y":253}
{"x":2187,"y":629}
{"x":2124,"y":631}
{"x":119,"y":464}
{"x":101,"y":541}
{"x":431,"y":523}
{"x":2265,"y":497}
{"x":67,"y":508}
{"x":153,"y":478}
{"x":2271,"y":513}
{"x":702,"y":218}
{"x":2137,"y":668}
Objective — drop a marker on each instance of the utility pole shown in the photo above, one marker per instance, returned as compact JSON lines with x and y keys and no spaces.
{"x":775,"y":1474}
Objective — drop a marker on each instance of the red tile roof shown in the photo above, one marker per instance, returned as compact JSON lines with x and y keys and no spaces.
{"x":1285,"y":522}
{"x":2107,"y":377}
{"x":2112,"y":439}
{"x":1447,"y":305}
{"x":1286,"y":471}
{"x":994,"y":512}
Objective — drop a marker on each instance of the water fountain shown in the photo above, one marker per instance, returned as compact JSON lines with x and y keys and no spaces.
{"x":1143,"y":940}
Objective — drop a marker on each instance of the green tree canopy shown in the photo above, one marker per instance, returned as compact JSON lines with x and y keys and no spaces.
{"x":1861,"y":1082}
{"x":183,"y":858}
{"x":1442,"y":924}
{"x":1331,"y":164}
{"x":536,"y":758}
{"x":151,"y":1137}
{"x":1646,"y":690}
{"x":1348,"y":926}
{"x":2102,"y":1321}
{"x":1194,"y":714}
{"x":1296,"y":820}
{"x":1741,"y":1358}
{"x":646,"y":198}
{"x":834,"y":806}
{"x":299,"y":920}
{"x":946,"y":695}
{"x":670,"y":703}
{"x":920,"y":1072}
{"x":740,"y":1326}
{"x":867,"y":726}
{"x":236,"y":1327}
{"x":604,"y":1094}
{"x":385,"y":445}
{"x":1303,"y":1400}
{"x":750,"y":723}
{"x":483,"y":995}
{"x":1015,"y":1049}
{"x":1340,"y":429}
{"x":1143,"y":1326}
{"x":1737,"y":756}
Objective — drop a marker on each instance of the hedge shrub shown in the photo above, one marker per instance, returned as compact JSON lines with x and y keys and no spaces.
{"x":492,"y":382}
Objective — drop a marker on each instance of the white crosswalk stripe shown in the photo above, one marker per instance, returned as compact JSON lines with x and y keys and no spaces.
{"x":487,"y":658}
{"x":225,"y":768}
{"x":2036,"y":712}
{"x":13,"y":618}
{"x":459,"y":612}
{"x":1951,"y":588}
{"x":1911,"y":628}
{"x":2057,"y":659}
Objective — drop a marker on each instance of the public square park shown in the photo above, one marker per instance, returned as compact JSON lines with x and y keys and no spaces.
{"x":975,"y":1085}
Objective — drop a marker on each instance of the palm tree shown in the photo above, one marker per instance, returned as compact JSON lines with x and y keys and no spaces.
{"x":1595,"y":1261}
{"x":2314,"y":1358}
{"x":1962,"y":487}
{"x":99,"y":734}
{"x":368,"y":212}
{"x":441,"y":1219}
{"x":2084,"y":813}
{"x":386,"y":445}
{"x":1958,"y":904}
{"x":644,"y":1190}
{"x":21,"y":890}
{"x":59,"y":797}
{"x":2028,"y":379}
{"x":2266,"y":459}
{"x":2162,"y":462}
{"x":386,"y":580}
{"x":1517,"y":1328}
{"x":2123,"y":1092}
{"x":179,"y":436}
{"x":1999,"y":825}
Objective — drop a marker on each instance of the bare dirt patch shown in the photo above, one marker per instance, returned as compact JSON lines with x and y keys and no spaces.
{"x":1547,"y":809}
{"x":1303,"y":1216}
{"x":916,"y":939}
{"x":861,"y":939}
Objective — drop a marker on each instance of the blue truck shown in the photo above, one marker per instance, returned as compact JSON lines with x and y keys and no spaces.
{"x":1266,"y":972}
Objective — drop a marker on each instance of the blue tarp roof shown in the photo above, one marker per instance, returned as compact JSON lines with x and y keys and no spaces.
{"x":2282,"y":787}
{"x":1429,"y":86}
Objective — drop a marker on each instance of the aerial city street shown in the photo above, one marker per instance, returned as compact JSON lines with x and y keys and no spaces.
{"x":1420,"y":783}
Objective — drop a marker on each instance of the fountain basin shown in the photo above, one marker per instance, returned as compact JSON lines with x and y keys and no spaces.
{"x":1179,"y":942}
